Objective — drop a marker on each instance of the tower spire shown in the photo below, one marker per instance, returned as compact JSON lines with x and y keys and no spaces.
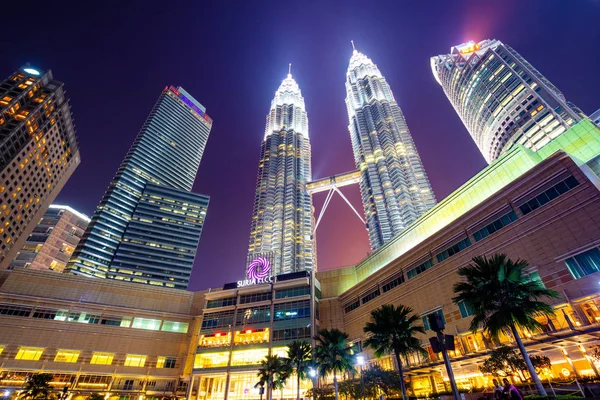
{"x":290,"y":70}
{"x":353,"y":48}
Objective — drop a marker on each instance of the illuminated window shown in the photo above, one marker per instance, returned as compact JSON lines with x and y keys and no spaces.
{"x":1,"y":349}
{"x":146,"y":323}
{"x":102,"y":358}
{"x":211,"y":360}
{"x":29,"y":353}
{"x":173,"y":326}
{"x":166,"y":362}
{"x":135,"y":360}
{"x":248,"y":357}
{"x":67,"y":356}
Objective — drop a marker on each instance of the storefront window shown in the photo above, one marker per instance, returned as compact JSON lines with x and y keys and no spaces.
{"x":248,"y":357}
{"x":211,"y":360}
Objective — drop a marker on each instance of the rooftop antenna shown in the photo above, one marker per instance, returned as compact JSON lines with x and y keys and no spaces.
{"x":353,"y":48}
{"x":290,"y":70}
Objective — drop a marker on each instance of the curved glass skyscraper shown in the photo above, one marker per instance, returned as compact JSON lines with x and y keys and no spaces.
{"x":501,"y":98}
{"x":282,"y":222}
{"x":394,"y":186}
{"x":147,"y":226}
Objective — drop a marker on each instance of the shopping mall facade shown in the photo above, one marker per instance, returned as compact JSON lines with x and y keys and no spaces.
{"x":132,"y":341}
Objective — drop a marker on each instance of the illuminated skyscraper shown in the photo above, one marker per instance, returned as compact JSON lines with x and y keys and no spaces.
{"x":38,"y":153}
{"x":501,"y":98}
{"x":282,"y":222}
{"x":394,"y":186}
{"x":148,"y":224}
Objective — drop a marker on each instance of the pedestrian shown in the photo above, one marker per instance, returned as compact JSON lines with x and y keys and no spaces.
{"x":497,"y":390}
{"x":511,"y":391}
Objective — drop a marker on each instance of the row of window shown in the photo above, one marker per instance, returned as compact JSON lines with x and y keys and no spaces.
{"x":99,"y":358}
{"x":452,"y":250}
{"x":494,"y":226}
{"x":375,"y":293}
{"x":548,"y":195}
{"x":87,"y":318}
{"x":256,"y":315}
{"x":291,"y":334}
{"x":257,"y":297}
{"x":419,"y":269}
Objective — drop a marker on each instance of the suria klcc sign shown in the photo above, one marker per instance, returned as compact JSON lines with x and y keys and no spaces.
{"x":259,"y":271}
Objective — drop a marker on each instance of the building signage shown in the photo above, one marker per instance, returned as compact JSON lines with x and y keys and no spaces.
{"x":250,"y":282}
{"x":259,"y":271}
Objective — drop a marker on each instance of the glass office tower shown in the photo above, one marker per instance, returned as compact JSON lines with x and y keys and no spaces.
{"x":282,"y":221}
{"x":394,"y":186}
{"x":501,"y":98}
{"x":148,"y":203}
{"x":38,"y":153}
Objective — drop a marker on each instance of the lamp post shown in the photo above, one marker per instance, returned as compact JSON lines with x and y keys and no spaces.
{"x":313,"y":375}
{"x":360,"y":360}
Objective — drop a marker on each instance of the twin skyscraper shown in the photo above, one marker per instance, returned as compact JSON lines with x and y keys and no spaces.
{"x":394,"y":186}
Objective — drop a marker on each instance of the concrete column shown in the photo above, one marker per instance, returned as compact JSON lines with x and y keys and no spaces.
{"x":190,"y":389}
{"x":570,"y":362}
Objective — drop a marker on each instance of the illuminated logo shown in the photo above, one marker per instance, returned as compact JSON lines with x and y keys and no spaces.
{"x":259,"y":271}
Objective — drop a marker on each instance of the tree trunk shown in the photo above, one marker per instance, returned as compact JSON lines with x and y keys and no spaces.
{"x":298,"y":376}
{"x":335,"y":386}
{"x":402,"y":384}
{"x":534,"y":375}
{"x":269,"y":390}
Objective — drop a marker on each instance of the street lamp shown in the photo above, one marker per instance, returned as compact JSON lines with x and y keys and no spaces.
{"x":313,"y":375}
{"x":360,"y":360}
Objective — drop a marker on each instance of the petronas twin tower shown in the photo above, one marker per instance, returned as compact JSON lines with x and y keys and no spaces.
{"x":394,"y":186}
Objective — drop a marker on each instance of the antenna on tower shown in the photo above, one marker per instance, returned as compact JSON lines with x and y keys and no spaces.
{"x":290,"y":70}
{"x":353,"y":48}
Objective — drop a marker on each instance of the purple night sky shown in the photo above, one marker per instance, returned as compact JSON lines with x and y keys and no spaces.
{"x":115,"y":57}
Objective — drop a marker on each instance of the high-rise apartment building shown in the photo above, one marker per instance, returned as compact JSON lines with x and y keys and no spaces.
{"x":53,"y":240}
{"x":147,"y":226}
{"x":38,"y":153}
{"x":501,"y":98}
{"x":394,"y":186}
{"x":282,"y":221}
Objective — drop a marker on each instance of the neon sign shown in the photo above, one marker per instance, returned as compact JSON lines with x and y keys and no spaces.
{"x":259,"y":271}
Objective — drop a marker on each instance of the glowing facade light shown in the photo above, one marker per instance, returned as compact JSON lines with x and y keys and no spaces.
{"x":31,"y":71}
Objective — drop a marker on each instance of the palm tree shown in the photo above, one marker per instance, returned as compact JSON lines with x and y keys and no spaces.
{"x":299,"y":357}
{"x":334,"y":354}
{"x":37,"y":387}
{"x":500,"y":297}
{"x":273,"y":374}
{"x":392,"y":330}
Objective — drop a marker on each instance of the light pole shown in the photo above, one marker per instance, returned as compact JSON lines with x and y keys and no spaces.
{"x":360,"y":360}
{"x":313,"y":375}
